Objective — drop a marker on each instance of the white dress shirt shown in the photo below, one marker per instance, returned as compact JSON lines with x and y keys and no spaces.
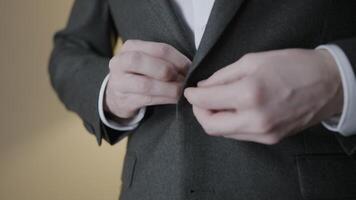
{"x":196,"y":14}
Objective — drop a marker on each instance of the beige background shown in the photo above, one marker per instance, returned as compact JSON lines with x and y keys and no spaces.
{"x":45,"y":153}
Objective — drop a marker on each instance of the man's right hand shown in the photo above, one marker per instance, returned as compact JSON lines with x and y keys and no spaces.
{"x":143,"y":74}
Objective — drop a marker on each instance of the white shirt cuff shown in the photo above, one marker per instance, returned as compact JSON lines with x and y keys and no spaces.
{"x":117,"y":125}
{"x":344,"y":124}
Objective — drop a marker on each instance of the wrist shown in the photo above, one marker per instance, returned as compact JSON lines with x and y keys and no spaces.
{"x":105,"y":103}
{"x":334,"y":80}
{"x":328,"y":61}
{"x":123,"y":121}
{"x":115,"y":117}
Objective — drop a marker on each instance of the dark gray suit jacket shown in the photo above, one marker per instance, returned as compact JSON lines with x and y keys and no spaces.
{"x":169,"y":157}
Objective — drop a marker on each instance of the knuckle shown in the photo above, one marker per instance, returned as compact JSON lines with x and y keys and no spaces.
{"x":255,"y":94}
{"x":163,"y":49}
{"x":185,"y":64}
{"x":132,"y":57}
{"x":166,"y":73}
{"x":121,"y":60}
{"x":251,"y":60}
{"x":184,"y":67}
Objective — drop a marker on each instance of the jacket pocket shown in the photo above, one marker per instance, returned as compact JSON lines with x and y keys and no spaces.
{"x":128,"y":171}
{"x":327,"y":176}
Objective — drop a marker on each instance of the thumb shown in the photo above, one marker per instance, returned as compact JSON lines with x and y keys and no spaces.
{"x":223,"y":76}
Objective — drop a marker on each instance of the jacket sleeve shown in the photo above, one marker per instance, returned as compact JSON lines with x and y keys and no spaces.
{"x":79,"y":63}
{"x":349,"y":48}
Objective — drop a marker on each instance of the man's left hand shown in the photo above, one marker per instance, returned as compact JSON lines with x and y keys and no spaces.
{"x":267,"y":96}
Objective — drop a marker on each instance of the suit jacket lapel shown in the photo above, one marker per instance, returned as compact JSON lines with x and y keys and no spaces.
{"x":222,"y":13}
{"x":179,"y":30}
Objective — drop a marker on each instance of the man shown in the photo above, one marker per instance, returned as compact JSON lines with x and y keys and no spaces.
{"x":224,"y":99}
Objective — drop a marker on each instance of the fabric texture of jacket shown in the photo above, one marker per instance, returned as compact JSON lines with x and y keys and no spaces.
{"x":169,"y":156}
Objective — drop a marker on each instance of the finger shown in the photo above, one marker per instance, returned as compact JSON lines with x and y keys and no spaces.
{"x":229,"y":96}
{"x":225,"y":75}
{"x":137,"y":84}
{"x":218,"y":97}
{"x":144,"y":100}
{"x":141,"y":63}
{"x":268,"y":140}
{"x":219,"y":123}
{"x":288,"y":128}
{"x":159,"y":50}
{"x":128,"y":104}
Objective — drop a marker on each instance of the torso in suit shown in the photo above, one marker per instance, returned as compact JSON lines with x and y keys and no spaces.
{"x":169,"y":156}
